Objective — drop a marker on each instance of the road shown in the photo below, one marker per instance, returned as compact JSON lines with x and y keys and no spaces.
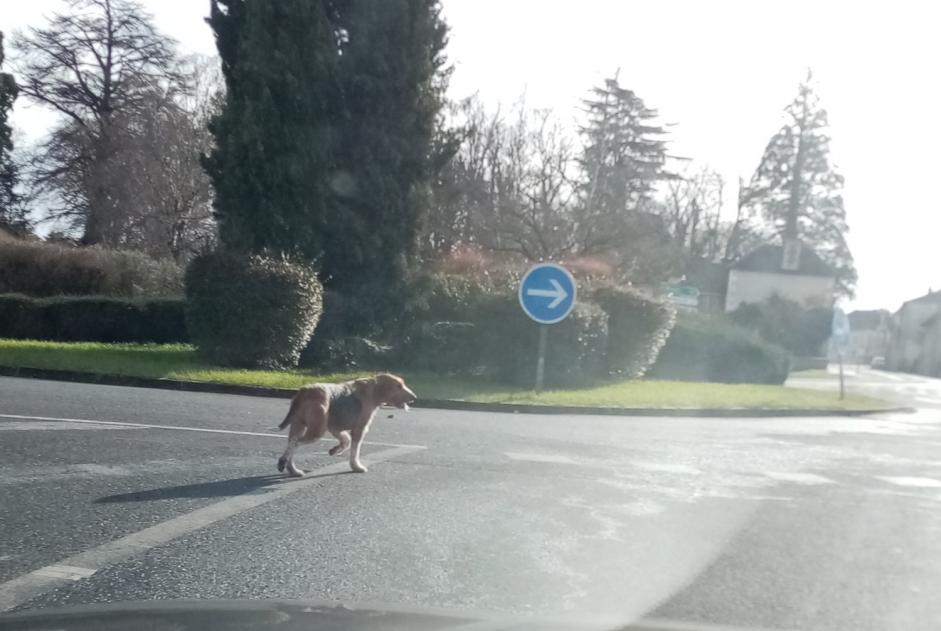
{"x":112,"y":494}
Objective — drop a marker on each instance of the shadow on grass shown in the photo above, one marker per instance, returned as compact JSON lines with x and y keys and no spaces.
{"x":217,"y":488}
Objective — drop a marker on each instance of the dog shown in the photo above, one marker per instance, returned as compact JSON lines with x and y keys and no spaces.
{"x":345,"y":410}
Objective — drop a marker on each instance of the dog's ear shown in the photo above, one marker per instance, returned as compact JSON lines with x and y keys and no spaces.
{"x":364,"y":388}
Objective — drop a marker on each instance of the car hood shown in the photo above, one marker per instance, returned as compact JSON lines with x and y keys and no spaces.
{"x":239,"y":615}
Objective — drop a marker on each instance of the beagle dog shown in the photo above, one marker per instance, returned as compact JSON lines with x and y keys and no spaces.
{"x":345,"y":410}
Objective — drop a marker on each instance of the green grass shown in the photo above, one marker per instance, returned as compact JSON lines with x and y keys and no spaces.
{"x":180,"y":362}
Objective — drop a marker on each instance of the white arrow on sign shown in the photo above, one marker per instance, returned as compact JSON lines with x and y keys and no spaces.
{"x":557,"y":292}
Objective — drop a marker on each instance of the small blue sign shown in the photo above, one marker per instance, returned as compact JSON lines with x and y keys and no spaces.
{"x":547,"y":293}
{"x":840,"y":331}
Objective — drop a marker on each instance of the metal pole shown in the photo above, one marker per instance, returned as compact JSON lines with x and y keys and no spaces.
{"x":541,"y":359}
{"x":842,"y":391}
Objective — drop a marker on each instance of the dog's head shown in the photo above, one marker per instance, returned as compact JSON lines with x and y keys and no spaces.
{"x":386,"y":389}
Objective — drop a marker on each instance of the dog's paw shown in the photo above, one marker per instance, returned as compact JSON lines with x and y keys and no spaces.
{"x":282,"y":462}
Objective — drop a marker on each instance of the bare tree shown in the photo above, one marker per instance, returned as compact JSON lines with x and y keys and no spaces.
{"x":693,"y":207}
{"x":100,"y":64}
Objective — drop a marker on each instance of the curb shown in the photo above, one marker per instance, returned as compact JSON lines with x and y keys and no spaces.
{"x":438,"y":404}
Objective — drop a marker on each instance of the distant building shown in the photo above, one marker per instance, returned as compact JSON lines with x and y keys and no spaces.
{"x":870,"y":335}
{"x":792,"y":271}
{"x":915,"y":345}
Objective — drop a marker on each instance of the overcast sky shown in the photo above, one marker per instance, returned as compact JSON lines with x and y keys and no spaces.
{"x":721,"y":72}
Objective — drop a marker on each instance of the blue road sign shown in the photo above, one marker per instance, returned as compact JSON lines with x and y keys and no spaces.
{"x":840,"y":331}
{"x":547,"y":293}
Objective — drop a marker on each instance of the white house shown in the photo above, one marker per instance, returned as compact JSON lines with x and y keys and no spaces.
{"x":916,"y":341}
{"x":792,"y":271}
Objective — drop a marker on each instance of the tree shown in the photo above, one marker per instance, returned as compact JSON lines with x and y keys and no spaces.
{"x":160,"y":177}
{"x":98,"y":65}
{"x":11,"y":211}
{"x":393,"y":75}
{"x":693,"y":208}
{"x":273,"y":162}
{"x":798,"y":191}
{"x":623,"y":156}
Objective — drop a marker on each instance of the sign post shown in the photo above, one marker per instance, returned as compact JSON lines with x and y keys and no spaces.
{"x":839,"y":341}
{"x":547,"y":295}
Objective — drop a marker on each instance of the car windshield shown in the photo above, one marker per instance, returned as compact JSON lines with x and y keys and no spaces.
{"x":439,"y":313}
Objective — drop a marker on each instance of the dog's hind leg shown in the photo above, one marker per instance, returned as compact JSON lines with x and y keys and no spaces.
{"x":287,"y":459}
{"x":342,"y":446}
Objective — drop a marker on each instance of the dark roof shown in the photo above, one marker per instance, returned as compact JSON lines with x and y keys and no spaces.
{"x":931,"y":296}
{"x":767,"y":258}
{"x":867,"y":320}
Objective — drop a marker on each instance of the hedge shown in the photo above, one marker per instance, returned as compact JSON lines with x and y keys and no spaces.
{"x":638,"y":327}
{"x":710,"y":349}
{"x":35,"y":268}
{"x":92,"y":319}
{"x":461,"y":326}
{"x":251,"y":311}
{"x":800,"y":330}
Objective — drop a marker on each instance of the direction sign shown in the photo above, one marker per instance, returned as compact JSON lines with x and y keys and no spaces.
{"x":840,"y":331}
{"x":547,"y":293}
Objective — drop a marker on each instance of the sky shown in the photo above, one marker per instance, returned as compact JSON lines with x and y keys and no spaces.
{"x":720,"y":72}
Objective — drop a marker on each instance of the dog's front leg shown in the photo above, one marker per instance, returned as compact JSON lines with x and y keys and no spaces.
{"x":357,"y":436}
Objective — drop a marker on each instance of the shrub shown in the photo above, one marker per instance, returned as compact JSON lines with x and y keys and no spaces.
{"x":638,"y":327}
{"x":801,"y":331}
{"x":92,"y":319}
{"x":461,"y":325}
{"x":704,"y":349}
{"x":251,"y":311}
{"x":43,"y":269}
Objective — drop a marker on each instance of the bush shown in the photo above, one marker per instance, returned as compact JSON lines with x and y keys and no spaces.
{"x":801,"y":331}
{"x":638,"y":327}
{"x":704,"y":349}
{"x":251,"y":311}
{"x":92,"y":319}
{"x":461,"y":325}
{"x":42,"y":269}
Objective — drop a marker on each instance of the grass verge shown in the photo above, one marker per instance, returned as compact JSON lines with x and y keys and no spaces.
{"x":180,"y":362}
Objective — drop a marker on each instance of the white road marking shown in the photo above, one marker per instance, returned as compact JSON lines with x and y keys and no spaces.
{"x":925,"y":483}
{"x":798,"y":478}
{"x":665,"y":467}
{"x":179,"y":428}
{"x":67,"y":572}
{"x":33,"y":426}
{"x":540,"y":458}
{"x":85,"y":564}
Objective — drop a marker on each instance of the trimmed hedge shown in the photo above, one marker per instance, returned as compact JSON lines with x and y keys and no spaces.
{"x":638,"y":327}
{"x":92,"y":319}
{"x":460,"y":326}
{"x":35,"y":268}
{"x":251,"y":311}
{"x":801,"y":331}
{"x":708,"y":349}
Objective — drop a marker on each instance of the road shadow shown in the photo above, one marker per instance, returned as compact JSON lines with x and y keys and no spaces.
{"x":216,"y":488}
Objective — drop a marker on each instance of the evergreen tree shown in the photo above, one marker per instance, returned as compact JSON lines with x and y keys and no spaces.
{"x":276,"y":135}
{"x":624,"y":155}
{"x":11,"y":212}
{"x":392,"y":69}
{"x":798,"y":191}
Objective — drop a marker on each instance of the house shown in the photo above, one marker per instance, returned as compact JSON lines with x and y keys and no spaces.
{"x":915,"y":345}
{"x":870,"y":335}
{"x":792,"y":271}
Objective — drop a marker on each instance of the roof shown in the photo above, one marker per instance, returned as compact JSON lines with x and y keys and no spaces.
{"x":930,"y":297}
{"x":867,"y":320}
{"x":767,"y":258}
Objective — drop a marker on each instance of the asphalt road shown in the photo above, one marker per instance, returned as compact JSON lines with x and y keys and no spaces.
{"x":107,"y":494}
